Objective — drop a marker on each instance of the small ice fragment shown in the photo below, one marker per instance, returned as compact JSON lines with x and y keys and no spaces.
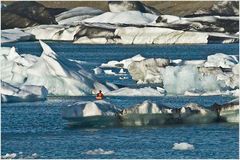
{"x":183,"y":146}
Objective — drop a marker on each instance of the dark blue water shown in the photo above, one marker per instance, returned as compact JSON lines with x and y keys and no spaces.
{"x":38,"y":127}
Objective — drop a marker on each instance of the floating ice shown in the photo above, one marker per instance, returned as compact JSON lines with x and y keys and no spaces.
{"x":221,"y":60}
{"x":88,"y":109}
{"x":126,"y":91}
{"x":77,"y":14}
{"x":25,"y":93}
{"x":59,"y":75}
{"x":97,"y":113}
{"x":99,"y":151}
{"x":16,"y":34}
{"x":124,"y":63}
{"x":155,"y":35}
{"x":183,"y":146}
{"x":127,"y":17}
{"x":102,"y":114}
{"x":218,"y":75}
{"x":9,"y":156}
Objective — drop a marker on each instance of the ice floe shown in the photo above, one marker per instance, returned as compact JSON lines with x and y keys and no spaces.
{"x":24,"y":93}
{"x":182,"y":146}
{"x":76,"y":15}
{"x":16,"y":34}
{"x":126,"y":91}
{"x":154,"y":35}
{"x":102,"y":113}
{"x":99,"y":151}
{"x":97,"y":113}
{"x":59,"y":75}
{"x":124,"y":63}
{"x":127,"y":17}
{"x":218,"y":75}
{"x":19,"y":156}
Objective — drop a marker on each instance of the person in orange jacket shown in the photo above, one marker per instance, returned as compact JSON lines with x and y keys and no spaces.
{"x":99,"y":95}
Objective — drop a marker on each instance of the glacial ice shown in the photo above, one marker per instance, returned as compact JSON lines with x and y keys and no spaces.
{"x":154,"y":35}
{"x":124,"y":63}
{"x":127,"y":17}
{"x":59,"y":75}
{"x":98,"y":151}
{"x":90,"y":108}
{"x":91,"y":113}
{"x":221,"y":60}
{"x":24,"y":93}
{"x":53,"y":32}
{"x":76,"y":15}
{"x":217,"y":75}
{"x":126,"y":91}
{"x":183,"y":146}
{"x":16,"y":34}
{"x":102,"y":113}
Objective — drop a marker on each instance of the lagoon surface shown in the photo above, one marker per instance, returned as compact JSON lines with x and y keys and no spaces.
{"x":37,"y":127}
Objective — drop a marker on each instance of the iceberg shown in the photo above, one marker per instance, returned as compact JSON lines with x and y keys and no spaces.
{"x":102,"y":114}
{"x":87,"y":113}
{"x":126,"y":91}
{"x":53,"y":32}
{"x":59,"y":75}
{"x":218,"y":75}
{"x":25,"y":93}
{"x":221,"y":60}
{"x":228,"y":112}
{"x":126,"y":17}
{"x":155,"y":35}
{"x":124,"y":63}
{"x":148,"y":113}
{"x":76,"y":15}
{"x":16,"y":34}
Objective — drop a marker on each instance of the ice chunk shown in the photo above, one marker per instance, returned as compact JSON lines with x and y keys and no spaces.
{"x":88,"y":109}
{"x":59,"y":75}
{"x":124,"y":63}
{"x":126,"y":91}
{"x":194,"y":113}
{"x":221,"y":60}
{"x":183,"y":146}
{"x":16,"y":34}
{"x":148,"y":70}
{"x":127,"y":17}
{"x":99,"y":151}
{"x":155,"y":35}
{"x":97,"y":70}
{"x":97,"y":113}
{"x":10,"y":93}
{"x":77,"y":14}
{"x":54,"y":32}
{"x":146,"y":107}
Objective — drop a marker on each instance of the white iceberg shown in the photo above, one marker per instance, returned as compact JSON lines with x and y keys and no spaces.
{"x":221,"y":60}
{"x":76,"y":15}
{"x":218,"y":75}
{"x":127,"y":17}
{"x":87,"y":113}
{"x":59,"y":75}
{"x":124,"y":63}
{"x":53,"y":32}
{"x":16,"y":34}
{"x":25,"y":93}
{"x":126,"y":91}
{"x":155,"y":35}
